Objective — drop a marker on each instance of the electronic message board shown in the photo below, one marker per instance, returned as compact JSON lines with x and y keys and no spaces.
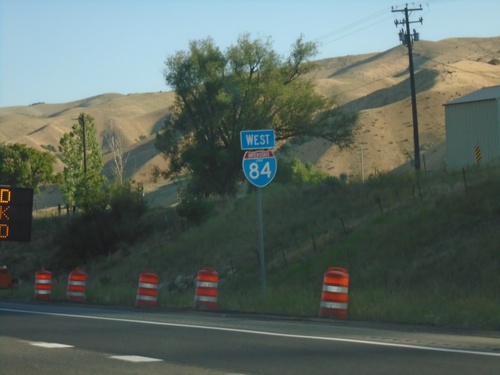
{"x":16,"y":206}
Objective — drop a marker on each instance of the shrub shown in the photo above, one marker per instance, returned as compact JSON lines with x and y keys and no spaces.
{"x":194,"y":208}
{"x":98,"y":232}
{"x":297,"y":172}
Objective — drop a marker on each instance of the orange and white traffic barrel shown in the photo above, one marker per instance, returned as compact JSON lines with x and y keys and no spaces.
{"x":205,"y":297}
{"x":334,"y":297}
{"x":43,"y":285}
{"x":147,"y":291}
{"x":77,"y":281}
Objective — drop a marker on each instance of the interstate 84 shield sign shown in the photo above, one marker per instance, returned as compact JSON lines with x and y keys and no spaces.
{"x":259,"y":167}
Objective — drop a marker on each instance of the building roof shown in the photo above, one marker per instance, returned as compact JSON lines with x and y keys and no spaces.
{"x":486,"y":93}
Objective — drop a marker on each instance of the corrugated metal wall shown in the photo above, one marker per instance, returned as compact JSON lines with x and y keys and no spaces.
{"x":470,"y":125}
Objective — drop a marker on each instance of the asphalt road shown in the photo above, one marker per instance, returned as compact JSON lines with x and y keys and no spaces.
{"x":44,"y":338}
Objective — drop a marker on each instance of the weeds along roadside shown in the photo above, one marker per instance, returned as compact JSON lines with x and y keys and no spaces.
{"x":418,"y":251}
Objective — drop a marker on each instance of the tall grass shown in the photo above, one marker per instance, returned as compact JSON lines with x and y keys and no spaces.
{"x":418,"y":250}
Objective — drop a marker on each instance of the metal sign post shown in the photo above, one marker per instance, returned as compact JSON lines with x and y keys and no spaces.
{"x":261,"y":241}
{"x":259,"y":168}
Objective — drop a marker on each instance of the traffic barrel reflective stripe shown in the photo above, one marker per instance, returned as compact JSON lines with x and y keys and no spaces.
{"x":335,"y":293}
{"x":43,"y":285}
{"x":77,"y":281}
{"x":147,"y":291}
{"x":205,"y":297}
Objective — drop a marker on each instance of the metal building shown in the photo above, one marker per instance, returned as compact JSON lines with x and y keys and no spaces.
{"x":473,"y":129}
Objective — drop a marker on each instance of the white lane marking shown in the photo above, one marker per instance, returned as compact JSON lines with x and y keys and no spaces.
{"x":135,"y":358}
{"x":50,"y":345}
{"x":263,"y":333}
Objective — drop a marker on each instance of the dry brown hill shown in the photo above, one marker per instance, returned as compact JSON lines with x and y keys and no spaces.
{"x":376,"y":85}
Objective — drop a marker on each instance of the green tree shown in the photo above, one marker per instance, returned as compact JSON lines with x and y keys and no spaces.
{"x":247,"y":87}
{"x":297,"y":172}
{"x":82,"y":181}
{"x":23,"y":166}
{"x":87,"y":236}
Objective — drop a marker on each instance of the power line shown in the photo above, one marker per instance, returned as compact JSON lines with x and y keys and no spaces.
{"x":352,"y":28}
{"x":367,"y":84}
{"x":337,"y":34}
{"x":454,"y":67}
{"x":352,"y":25}
{"x":423,"y":57}
{"x":355,"y":31}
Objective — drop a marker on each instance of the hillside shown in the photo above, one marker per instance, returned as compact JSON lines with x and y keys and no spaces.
{"x":420,"y":249}
{"x":376,"y":85}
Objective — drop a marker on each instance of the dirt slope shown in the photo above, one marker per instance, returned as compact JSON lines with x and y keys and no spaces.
{"x":377,"y":85}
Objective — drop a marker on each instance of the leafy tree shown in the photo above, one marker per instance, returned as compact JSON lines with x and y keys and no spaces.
{"x":194,"y":208}
{"x":127,"y":200}
{"x":297,"y":172}
{"x":23,"y":166}
{"x":82,"y":181}
{"x":87,"y":236}
{"x":247,"y":87}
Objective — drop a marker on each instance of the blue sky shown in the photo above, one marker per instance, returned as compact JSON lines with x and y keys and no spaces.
{"x":57,"y":51}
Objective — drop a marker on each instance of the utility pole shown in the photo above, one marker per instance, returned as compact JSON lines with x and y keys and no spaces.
{"x":407,"y":40}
